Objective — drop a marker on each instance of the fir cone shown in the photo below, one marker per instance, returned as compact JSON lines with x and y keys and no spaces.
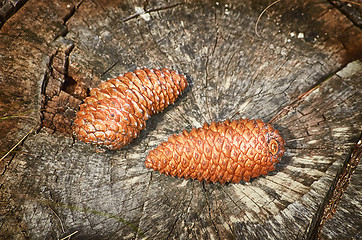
{"x":228,"y":151}
{"x":117,"y":111}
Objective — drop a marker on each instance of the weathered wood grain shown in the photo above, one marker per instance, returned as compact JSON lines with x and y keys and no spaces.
{"x":55,"y":186}
{"x":8,"y":8}
{"x":346,"y":223}
{"x":345,"y":195}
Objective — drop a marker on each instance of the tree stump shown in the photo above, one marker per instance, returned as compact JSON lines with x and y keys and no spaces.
{"x":296,"y":66}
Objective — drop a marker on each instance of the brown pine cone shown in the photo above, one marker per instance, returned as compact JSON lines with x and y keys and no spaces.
{"x":117,"y":111}
{"x":228,"y":151}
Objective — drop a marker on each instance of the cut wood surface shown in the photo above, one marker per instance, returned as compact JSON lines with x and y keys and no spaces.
{"x":299,"y":68}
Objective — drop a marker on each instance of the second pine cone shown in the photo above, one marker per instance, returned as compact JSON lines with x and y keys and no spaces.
{"x":228,"y":151}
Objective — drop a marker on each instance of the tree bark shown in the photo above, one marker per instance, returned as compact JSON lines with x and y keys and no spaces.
{"x":297,"y":67}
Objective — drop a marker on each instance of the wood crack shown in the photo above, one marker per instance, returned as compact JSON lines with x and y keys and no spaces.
{"x":142,"y":214}
{"x":298,"y":101}
{"x":8,"y":9}
{"x":209,"y":210}
{"x":56,"y":89}
{"x":173,"y":227}
{"x":333,"y":197}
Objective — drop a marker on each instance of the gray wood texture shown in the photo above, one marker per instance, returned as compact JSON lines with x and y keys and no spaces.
{"x":302,"y":73}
